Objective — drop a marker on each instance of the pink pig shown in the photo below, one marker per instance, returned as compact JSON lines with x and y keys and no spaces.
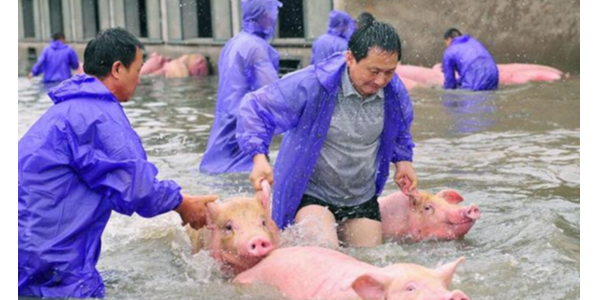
{"x":523,"y":73}
{"x":421,"y":75}
{"x":154,"y":64}
{"x":423,"y":216}
{"x":239,"y":233}
{"x":322,"y":273}
{"x":195,"y":63}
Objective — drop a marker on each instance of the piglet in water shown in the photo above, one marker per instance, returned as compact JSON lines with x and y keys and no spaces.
{"x":418,"y":215}
{"x":322,"y":273}
{"x":239,"y":233}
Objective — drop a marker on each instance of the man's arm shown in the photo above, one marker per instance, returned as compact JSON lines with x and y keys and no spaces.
{"x":271,"y":110}
{"x":448,"y":67}
{"x":402,"y":153}
{"x":39,"y":66}
{"x":73,"y":60}
{"x":110,"y":162}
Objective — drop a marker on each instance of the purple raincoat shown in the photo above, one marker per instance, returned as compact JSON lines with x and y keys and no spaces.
{"x":301,"y":105}
{"x":78,"y":162}
{"x":341,"y":27}
{"x":247,"y":63}
{"x":56,"y":62}
{"x":476,"y":67}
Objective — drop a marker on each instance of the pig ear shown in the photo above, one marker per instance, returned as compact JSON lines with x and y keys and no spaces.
{"x":263,"y":202}
{"x":275,"y":230}
{"x":264,"y":196}
{"x":414,"y":200}
{"x":371,"y":286}
{"x":446,"y":272}
{"x":451,"y":196}
{"x":213,"y":212}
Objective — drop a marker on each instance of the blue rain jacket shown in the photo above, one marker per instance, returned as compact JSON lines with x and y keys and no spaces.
{"x":246,"y":63}
{"x":341,"y":27}
{"x":77,"y":163}
{"x":56,"y":62}
{"x":301,"y":105}
{"x":476,"y":67}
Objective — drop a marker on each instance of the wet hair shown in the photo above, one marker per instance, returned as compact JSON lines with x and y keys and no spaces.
{"x":109,"y":46}
{"x":58,"y":36}
{"x":452,"y":33}
{"x":363,"y":19}
{"x":375,"y":35}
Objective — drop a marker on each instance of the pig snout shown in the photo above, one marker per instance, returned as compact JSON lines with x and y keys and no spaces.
{"x":259,"y":247}
{"x":457,"y":295}
{"x":472,"y":212}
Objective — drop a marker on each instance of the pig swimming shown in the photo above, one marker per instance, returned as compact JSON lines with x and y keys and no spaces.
{"x":421,"y":216}
{"x":321,"y":273}
{"x":239,"y":233}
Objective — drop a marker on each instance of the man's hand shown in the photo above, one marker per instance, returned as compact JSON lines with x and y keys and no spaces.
{"x":193,"y":209}
{"x":405,"y":177}
{"x":30,"y":75}
{"x":261,"y":171}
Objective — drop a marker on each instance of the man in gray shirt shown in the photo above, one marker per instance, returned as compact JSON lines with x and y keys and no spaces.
{"x":345,"y":120}
{"x":345,"y":171}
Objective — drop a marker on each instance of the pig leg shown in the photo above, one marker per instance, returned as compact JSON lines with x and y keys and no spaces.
{"x":318,"y":222}
{"x":361,"y":233}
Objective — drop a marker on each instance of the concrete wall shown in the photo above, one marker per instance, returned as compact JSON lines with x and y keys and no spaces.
{"x":533,"y":31}
{"x":165,"y":32}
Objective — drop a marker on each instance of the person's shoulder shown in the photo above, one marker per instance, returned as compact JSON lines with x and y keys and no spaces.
{"x":451,"y":51}
{"x":322,"y":38}
{"x":304,"y":77}
{"x":244,"y":37}
{"x":247,"y":45}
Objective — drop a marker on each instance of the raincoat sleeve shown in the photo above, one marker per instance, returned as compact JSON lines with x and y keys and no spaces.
{"x":73,"y":60}
{"x":448,"y":67}
{"x":403,"y":145}
{"x":40,"y":65}
{"x":271,"y":110}
{"x":112,"y":162}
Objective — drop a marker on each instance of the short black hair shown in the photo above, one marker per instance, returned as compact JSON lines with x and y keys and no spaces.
{"x":363,"y":19}
{"x":376,"y":35}
{"x":452,"y":33}
{"x":58,"y":36}
{"x":109,"y":46}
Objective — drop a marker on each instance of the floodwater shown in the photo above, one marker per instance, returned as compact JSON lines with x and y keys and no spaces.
{"x":514,"y":152}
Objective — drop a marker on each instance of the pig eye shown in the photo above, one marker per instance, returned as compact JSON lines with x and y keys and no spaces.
{"x":428,"y":208}
{"x":228,"y":227}
{"x":264,"y":223}
{"x":410,"y":288}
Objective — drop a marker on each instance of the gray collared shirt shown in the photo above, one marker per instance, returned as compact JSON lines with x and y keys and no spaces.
{"x":347,"y":165}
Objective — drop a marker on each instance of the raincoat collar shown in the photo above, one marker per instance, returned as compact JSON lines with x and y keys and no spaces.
{"x":57,"y":45}
{"x":80,"y":86}
{"x":461,"y":39}
{"x":329,"y":71}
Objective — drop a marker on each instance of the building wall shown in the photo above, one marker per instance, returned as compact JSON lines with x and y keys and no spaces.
{"x":165,"y":26}
{"x":534,"y":31}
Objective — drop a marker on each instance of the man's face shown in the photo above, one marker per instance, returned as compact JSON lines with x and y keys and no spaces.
{"x":129,"y":78}
{"x":268,"y":20}
{"x":373,"y":72}
{"x":447,"y":42}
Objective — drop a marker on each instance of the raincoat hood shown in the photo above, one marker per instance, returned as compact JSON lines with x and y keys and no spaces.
{"x":57,"y":45}
{"x":80,"y":86}
{"x":260,"y":17}
{"x":341,"y":24}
